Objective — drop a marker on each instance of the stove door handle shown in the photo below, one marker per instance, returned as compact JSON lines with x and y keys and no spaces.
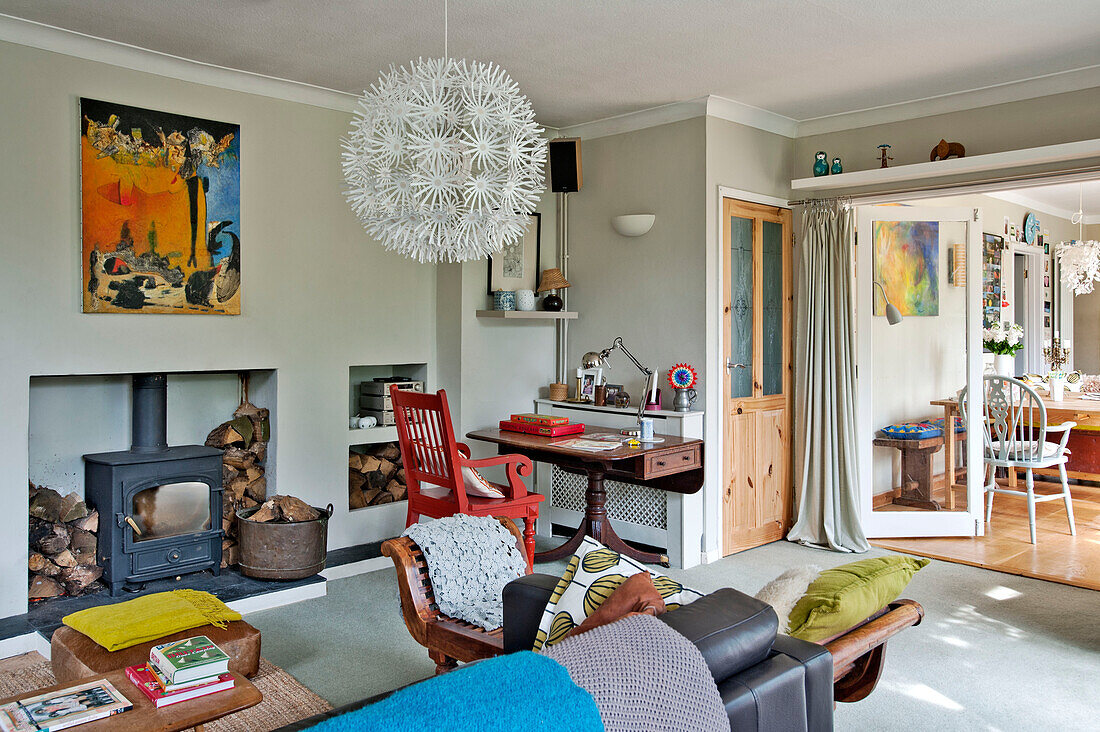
{"x":133,"y":524}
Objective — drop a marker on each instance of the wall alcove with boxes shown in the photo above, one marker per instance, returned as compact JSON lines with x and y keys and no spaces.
{"x":376,"y":477}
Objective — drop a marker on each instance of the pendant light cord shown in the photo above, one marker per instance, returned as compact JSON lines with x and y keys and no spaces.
{"x":446,"y":50}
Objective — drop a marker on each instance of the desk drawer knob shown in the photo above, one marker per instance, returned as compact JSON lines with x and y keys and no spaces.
{"x":686,"y":457}
{"x":661,"y":463}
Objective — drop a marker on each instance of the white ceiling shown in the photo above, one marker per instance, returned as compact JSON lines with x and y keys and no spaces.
{"x":1060,"y":200}
{"x":582,"y":60}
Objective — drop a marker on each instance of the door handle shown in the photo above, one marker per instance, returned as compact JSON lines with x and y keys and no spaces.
{"x":732,"y":365}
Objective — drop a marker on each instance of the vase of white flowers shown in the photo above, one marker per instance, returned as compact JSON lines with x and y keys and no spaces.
{"x":1003,"y":340}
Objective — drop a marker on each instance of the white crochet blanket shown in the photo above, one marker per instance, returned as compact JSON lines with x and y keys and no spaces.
{"x":470,"y":559}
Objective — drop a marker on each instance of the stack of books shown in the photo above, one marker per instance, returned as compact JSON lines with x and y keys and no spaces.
{"x":182,"y":670}
{"x":541,"y":424}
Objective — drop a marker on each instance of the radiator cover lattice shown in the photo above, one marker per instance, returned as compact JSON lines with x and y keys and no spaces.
{"x":625,"y":502}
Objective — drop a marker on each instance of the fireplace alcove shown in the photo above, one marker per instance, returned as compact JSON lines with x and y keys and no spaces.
{"x":166,"y":516}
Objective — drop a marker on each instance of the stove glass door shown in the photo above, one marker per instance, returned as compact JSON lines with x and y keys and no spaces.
{"x":171,"y":510}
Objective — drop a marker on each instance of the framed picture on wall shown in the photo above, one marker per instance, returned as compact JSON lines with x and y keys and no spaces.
{"x":517,"y":267}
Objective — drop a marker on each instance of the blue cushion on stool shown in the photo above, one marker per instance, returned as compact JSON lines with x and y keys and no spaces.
{"x":938,"y":422}
{"x":912,"y":431}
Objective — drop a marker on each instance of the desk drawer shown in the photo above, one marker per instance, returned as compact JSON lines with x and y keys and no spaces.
{"x":674,"y":461}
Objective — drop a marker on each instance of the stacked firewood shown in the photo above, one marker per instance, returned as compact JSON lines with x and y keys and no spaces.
{"x":284,"y":510}
{"x":62,"y":557}
{"x":375,"y":476}
{"x":244,"y":484}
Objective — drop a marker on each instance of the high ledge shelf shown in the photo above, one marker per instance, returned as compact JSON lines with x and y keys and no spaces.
{"x":527,"y":314}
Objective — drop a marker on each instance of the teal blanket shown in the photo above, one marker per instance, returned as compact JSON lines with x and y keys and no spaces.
{"x":520,"y":691}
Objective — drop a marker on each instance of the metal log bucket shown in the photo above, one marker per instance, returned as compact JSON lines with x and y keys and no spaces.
{"x":281,"y":551}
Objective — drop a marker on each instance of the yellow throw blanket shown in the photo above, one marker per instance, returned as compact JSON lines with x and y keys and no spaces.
{"x":126,"y":624}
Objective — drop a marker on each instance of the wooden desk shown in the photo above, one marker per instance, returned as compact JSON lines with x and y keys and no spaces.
{"x":673,"y":465}
{"x":145,"y":717}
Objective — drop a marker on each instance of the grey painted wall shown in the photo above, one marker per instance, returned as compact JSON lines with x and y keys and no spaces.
{"x":1031,"y":123}
{"x":318,"y":296}
{"x":649,"y":289}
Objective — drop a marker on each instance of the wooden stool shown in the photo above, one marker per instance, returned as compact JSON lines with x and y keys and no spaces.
{"x":74,"y":655}
{"x":916,"y":470}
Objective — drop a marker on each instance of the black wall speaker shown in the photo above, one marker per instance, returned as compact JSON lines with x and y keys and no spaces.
{"x":565,"y":165}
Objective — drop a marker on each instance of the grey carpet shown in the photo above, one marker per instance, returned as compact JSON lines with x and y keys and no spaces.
{"x":995,"y":651}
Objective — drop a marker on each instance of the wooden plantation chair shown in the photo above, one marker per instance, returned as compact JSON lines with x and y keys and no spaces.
{"x":432,"y":457}
{"x":1015,"y":431}
{"x":448,"y":640}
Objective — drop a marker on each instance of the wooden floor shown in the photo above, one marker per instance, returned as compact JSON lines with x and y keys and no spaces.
{"x":1006,"y":547}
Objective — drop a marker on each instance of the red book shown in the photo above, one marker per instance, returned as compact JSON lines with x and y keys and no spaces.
{"x":143,"y":679}
{"x":557,"y":430}
{"x":539,"y":419}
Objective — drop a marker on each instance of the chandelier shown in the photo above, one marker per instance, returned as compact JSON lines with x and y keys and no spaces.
{"x":444,"y":160}
{"x":1080,"y":259}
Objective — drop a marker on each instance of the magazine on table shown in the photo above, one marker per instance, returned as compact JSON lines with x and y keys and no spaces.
{"x":587,"y":443}
{"x":63,"y":708}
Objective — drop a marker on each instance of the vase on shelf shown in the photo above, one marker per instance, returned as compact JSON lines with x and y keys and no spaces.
{"x":1004,"y":364}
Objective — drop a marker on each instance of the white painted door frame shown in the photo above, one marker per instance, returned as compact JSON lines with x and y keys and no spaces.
{"x":882,"y":524}
{"x":1033,"y":316}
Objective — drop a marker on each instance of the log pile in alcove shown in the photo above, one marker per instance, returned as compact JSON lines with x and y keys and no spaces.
{"x":375,"y":476}
{"x":244,"y":480}
{"x":62,"y":559}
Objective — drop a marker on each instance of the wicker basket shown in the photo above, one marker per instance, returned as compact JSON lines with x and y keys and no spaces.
{"x":559,"y":392}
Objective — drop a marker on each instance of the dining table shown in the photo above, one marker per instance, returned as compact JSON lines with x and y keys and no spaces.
{"x":1084,"y":439}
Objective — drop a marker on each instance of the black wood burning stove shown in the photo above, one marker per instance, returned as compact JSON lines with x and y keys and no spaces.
{"x":160,"y":507}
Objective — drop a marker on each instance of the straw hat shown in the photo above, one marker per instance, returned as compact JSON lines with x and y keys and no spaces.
{"x":552,"y":279}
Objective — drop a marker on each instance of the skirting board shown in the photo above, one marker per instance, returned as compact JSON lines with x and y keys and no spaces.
{"x":353,"y":568}
{"x":25,"y":643}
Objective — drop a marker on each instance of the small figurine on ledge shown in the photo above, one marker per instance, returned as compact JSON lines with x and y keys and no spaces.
{"x":837,"y":168}
{"x":884,"y":158}
{"x":821,"y":164}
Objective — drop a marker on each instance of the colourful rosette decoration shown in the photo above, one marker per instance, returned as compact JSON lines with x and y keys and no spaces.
{"x":682,"y":376}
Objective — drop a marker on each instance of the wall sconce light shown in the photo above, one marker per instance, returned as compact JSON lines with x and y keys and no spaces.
{"x":633,"y":224}
{"x":893,"y":315}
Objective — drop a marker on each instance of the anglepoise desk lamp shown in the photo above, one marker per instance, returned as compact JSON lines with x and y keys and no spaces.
{"x":593,"y":359}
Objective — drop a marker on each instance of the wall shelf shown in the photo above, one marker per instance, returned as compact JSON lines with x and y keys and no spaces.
{"x":527,"y":314}
{"x":372,"y":435}
{"x":1046,"y":154}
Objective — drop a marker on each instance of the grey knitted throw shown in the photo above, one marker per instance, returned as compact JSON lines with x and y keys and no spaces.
{"x":470,"y":559}
{"x":644,"y":676}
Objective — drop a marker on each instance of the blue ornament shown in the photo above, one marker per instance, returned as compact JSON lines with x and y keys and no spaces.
{"x":837,"y":168}
{"x":821,"y":164}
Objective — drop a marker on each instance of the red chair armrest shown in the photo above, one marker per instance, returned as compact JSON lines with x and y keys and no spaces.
{"x":463,"y":449}
{"x":517,"y":466}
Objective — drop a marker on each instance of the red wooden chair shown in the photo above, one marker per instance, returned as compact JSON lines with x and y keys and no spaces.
{"x":431,"y":456}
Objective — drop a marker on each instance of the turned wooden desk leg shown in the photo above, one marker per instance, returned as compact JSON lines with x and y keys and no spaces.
{"x":596,"y":525}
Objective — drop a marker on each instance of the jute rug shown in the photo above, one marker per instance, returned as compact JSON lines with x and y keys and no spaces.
{"x":285,"y":699}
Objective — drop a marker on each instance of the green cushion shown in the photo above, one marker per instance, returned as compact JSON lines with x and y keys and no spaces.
{"x":843,"y":596}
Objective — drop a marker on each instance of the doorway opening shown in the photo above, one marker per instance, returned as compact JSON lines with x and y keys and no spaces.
{"x":1018,"y":274}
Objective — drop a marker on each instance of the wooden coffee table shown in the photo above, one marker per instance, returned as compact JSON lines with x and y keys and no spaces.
{"x":145,"y":717}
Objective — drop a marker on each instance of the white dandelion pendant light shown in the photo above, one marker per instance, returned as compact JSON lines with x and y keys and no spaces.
{"x":444,"y":160}
{"x":1080,"y":259}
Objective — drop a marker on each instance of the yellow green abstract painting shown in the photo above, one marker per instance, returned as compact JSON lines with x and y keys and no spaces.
{"x":907,"y":255}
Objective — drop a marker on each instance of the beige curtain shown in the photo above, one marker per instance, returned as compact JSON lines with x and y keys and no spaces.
{"x":826,"y":462}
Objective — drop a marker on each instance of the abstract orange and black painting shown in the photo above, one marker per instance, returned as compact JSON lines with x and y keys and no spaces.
{"x":160,"y":211}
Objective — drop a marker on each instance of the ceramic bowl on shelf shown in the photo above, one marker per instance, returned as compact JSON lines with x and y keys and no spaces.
{"x":504,"y":300}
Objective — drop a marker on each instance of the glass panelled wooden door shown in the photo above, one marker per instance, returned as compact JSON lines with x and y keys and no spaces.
{"x":757,"y":315}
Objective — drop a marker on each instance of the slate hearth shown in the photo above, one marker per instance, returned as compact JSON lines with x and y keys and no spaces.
{"x":45,"y":617}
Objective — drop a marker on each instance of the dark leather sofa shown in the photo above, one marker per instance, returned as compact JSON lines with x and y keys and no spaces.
{"x":767,"y":681}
